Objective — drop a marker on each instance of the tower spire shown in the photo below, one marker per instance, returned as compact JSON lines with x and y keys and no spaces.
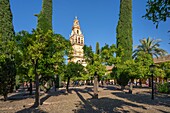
{"x":77,"y":42}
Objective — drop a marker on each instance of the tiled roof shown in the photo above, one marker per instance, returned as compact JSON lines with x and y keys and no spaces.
{"x":162,"y":59}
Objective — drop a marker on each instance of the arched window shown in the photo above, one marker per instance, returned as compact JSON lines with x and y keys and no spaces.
{"x":79,"y":40}
{"x":78,"y":61}
{"x":76,"y":40}
{"x":77,"y":31}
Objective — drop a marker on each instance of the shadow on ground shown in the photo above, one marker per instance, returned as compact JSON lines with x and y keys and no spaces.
{"x":101,"y":105}
{"x":33,"y":109}
{"x":144,"y":98}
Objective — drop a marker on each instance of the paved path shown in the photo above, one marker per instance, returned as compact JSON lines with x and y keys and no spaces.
{"x":79,"y":100}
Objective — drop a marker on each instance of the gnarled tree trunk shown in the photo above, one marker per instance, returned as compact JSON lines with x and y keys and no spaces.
{"x":95,"y":86}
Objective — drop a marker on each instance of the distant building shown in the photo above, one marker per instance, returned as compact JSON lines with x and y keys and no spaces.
{"x":161,"y":59}
{"x":77,"y":42}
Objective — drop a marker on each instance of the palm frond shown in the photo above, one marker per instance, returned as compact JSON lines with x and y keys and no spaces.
{"x":149,"y":46}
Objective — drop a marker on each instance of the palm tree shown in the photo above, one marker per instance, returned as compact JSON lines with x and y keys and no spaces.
{"x":150,"y":46}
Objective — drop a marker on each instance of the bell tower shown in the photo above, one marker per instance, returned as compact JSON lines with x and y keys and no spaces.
{"x":77,"y":42}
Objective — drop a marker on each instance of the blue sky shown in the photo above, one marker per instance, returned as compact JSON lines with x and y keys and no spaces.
{"x":98,"y":20}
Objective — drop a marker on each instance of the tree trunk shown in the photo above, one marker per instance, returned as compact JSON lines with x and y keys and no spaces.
{"x":30,"y":86}
{"x":149,"y":82}
{"x":140,"y":82}
{"x":115,"y":82}
{"x":57,"y":81}
{"x":37,"y":91}
{"x":91,"y":82}
{"x":95,"y":86}
{"x":131,"y":87}
{"x":5,"y":97}
{"x":68,"y":82}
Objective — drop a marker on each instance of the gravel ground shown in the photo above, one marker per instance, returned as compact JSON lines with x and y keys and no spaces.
{"x":80,"y":100}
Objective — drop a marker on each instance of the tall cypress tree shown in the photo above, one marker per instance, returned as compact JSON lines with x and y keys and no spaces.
{"x":97,"y":48}
{"x":45,"y":24}
{"x":6,"y":26}
{"x":7,"y":47}
{"x":45,"y":16}
{"x":124,"y":29}
{"x":124,"y":34}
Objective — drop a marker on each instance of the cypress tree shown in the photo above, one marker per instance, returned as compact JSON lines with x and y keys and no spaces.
{"x":45,"y":16}
{"x":124,"y":29}
{"x":97,"y":48}
{"x":7,"y":47}
{"x":6,"y":26}
{"x":124,"y":35}
{"x":45,"y":24}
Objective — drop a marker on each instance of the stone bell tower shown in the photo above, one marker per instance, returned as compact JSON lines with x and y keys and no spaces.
{"x":77,"y":42}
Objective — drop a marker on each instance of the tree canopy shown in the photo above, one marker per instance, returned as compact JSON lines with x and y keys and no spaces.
{"x":7,"y":49}
{"x":157,"y":11}
{"x":150,"y":46}
{"x":45,"y":16}
{"x":124,"y":37}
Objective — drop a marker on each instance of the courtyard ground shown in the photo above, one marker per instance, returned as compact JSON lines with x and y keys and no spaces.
{"x":80,"y":100}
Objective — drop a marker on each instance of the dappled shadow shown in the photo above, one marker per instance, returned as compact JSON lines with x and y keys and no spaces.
{"x":101,"y":105}
{"x":85,"y":106}
{"x":144,"y":98}
{"x":24,"y":95}
{"x":31,"y":109}
{"x":34,"y":109}
{"x":162,"y":111}
{"x":84,"y":90}
{"x":54,"y":93}
{"x":19,"y":96}
{"x":111,"y":87}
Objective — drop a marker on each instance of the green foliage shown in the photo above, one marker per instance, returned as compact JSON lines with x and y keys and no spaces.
{"x":24,"y":67}
{"x":88,"y":54}
{"x":164,"y":88}
{"x":124,"y":36}
{"x":7,"y":45}
{"x":108,"y":55}
{"x":41,"y":51}
{"x":7,"y":76}
{"x":120,"y":73}
{"x":45,"y":16}
{"x":7,"y":49}
{"x":150,"y":46}
{"x":94,"y":61}
{"x":166,"y":67}
{"x":6,"y":26}
{"x":97,"y":66}
{"x":73,"y":70}
{"x":145,"y":59}
{"x":124,"y":30}
{"x":143,"y":62}
{"x":157,"y":11}
{"x":158,"y":72}
{"x":133,"y":69}
{"x":97,"y":48}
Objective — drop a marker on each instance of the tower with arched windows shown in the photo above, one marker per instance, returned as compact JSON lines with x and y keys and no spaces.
{"x":77,"y":42}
